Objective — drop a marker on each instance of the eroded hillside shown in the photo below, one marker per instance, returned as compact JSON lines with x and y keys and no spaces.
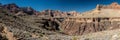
{"x":24,"y":23}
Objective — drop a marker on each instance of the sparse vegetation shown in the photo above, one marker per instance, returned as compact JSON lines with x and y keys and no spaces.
{"x":23,"y":24}
{"x":74,"y":38}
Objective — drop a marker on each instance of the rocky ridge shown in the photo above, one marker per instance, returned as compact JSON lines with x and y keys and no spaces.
{"x":24,"y":23}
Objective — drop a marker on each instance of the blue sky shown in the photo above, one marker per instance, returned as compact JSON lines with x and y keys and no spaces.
{"x":62,"y":5}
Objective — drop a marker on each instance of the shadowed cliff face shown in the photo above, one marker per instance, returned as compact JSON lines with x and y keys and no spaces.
{"x":50,"y":24}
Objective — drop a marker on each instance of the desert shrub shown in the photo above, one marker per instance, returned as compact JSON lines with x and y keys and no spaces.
{"x":3,"y":37}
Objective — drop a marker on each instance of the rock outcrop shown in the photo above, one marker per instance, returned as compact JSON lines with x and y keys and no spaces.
{"x":73,"y":27}
{"x":57,"y":13}
{"x":5,"y":34}
{"x":114,"y":5}
{"x":13,"y":8}
{"x":100,"y":19}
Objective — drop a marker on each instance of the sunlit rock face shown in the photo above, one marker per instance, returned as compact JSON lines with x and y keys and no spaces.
{"x":103,"y":17}
{"x":86,"y":25}
{"x":57,"y":13}
{"x":114,"y":5}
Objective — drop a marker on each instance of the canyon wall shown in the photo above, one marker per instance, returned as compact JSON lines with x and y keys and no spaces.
{"x":78,"y":27}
